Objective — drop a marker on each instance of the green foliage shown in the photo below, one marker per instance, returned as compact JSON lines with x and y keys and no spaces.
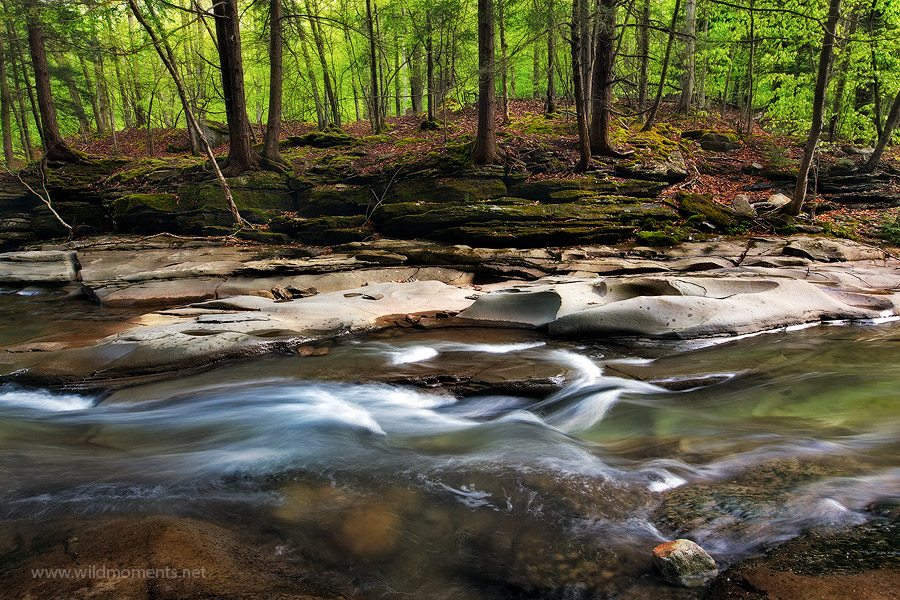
{"x":889,"y":229}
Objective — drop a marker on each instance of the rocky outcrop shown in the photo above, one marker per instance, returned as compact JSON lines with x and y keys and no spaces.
{"x":47,"y":266}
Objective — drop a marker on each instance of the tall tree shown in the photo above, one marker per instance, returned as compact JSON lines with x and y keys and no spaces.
{"x":890,"y":125}
{"x":486,"y":136}
{"x":271,"y":152}
{"x":579,"y":15}
{"x":5,"y":108}
{"x":690,"y":45}
{"x":551,"y":58}
{"x":815,"y":129}
{"x":643,"y":54}
{"x":376,"y":114}
{"x":604,"y":56}
{"x":241,"y":156}
{"x":665,"y":68}
{"x":55,"y":148}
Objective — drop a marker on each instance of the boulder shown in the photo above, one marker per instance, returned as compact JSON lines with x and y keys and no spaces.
{"x":741,"y":205}
{"x":686,"y":308}
{"x":778,"y":200}
{"x":671,"y":169}
{"x":38,"y":266}
{"x":685,"y":563}
{"x":831,"y":250}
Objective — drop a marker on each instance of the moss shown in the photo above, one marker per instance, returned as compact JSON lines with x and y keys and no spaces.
{"x":409,"y":141}
{"x":320,"y":139}
{"x":141,"y":202}
{"x":666,"y":237}
{"x":700,"y":134}
{"x":381,"y":138}
{"x":702,"y":205}
{"x":139,"y":170}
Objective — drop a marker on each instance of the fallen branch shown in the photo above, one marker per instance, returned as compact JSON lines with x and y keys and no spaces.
{"x":45,"y":198}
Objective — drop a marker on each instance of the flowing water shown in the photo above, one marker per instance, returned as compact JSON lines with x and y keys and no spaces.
{"x":392,"y":490}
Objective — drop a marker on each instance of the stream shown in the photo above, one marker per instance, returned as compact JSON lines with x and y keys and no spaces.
{"x":390,"y":490}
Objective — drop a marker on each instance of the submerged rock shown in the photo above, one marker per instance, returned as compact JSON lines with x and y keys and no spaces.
{"x":684,"y":563}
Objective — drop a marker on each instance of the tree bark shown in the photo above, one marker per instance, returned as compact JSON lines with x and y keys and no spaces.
{"x":241,"y":156}
{"x":5,"y":107}
{"x":551,"y":59}
{"x":22,"y":118}
{"x":375,"y":112}
{"x":893,"y":120}
{"x":815,"y":129}
{"x":429,"y":67}
{"x":486,"y":136}
{"x":168,"y":57}
{"x":604,"y":55}
{"x":321,"y":111}
{"x":665,"y":69}
{"x":83,"y":123}
{"x":271,"y":151}
{"x":690,"y":44}
{"x":55,"y":148}
{"x":644,"y":54}
{"x":330,"y":95}
{"x":579,"y":15}
{"x":415,"y":80}
{"x":504,"y":67}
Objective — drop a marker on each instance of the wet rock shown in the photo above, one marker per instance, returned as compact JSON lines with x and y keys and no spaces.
{"x":39,"y":266}
{"x":858,"y":562}
{"x":683,"y":562}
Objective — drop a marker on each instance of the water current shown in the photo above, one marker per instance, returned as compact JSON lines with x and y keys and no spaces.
{"x":389,"y":489}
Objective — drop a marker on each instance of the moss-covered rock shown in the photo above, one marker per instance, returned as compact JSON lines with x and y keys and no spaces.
{"x":724,"y":218}
{"x":339,"y":200}
{"x":323,"y":231}
{"x":320,"y":139}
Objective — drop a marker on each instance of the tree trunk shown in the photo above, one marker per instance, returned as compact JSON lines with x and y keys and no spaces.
{"x":415,"y":80}
{"x":665,"y":69}
{"x":837,"y":103}
{"x":690,"y":45}
{"x":429,"y":59}
{"x":701,"y":100}
{"x":579,"y":15}
{"x":321,"y":112}
{"x":241,"y":156}
{"x":486,"y":136}
{"x":5,"y":107}
{"x":326,"y":76}
{"x":55,"y":148}
{"x":271,"y":151}
{"x":504,"y":67}
{"x":92,"y":94}
{"x":375,"y":114}
{"x":137,"y":100}
{"x":83,"y":123}
{"x":22,"y":118}
{"x":893,"y":119}
{"x":644,"y":54}
{"x":604,"y":55}
{"x":751,"y":65}
{"x":551,"y":59}
{"x":168,"y":57}
{"x":815,"y":129}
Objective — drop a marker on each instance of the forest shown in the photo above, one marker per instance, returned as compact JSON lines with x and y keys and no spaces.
{"x":335,"y":63}
{"x":157,"y":78}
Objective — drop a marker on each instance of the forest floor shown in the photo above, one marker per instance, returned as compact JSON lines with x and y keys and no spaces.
{"x":531,"y":136}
